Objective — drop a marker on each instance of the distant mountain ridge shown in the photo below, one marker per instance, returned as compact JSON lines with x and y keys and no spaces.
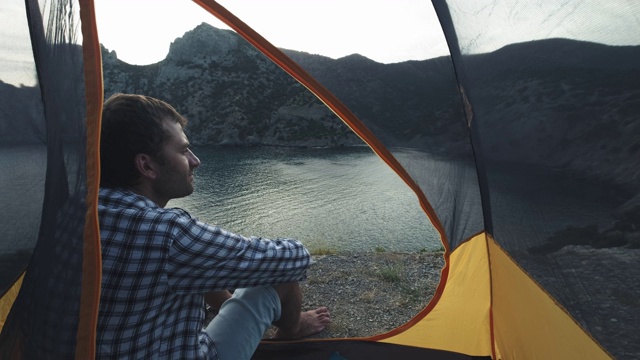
{"x":233,"y":95}
{"x":561,"y":104}
{"x":568,"y":109}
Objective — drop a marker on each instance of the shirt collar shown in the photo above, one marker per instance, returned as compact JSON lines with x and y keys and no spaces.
{"x":120,"y":197}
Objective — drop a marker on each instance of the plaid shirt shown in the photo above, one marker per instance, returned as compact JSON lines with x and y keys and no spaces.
{"x":156,"y":265}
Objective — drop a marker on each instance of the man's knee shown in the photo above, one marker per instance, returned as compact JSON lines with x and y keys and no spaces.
{"x":287,"y":290}
{"x":242,"y":321}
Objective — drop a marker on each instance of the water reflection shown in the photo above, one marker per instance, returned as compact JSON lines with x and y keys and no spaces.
{"x":343,"y":199}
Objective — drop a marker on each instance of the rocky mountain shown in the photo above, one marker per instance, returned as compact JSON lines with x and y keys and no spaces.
{"x":559,"y":103}
{"x":231,"y":94}
{"x":20,"y":110}
{"x":575,"y":108}
{"x":531,"y":100}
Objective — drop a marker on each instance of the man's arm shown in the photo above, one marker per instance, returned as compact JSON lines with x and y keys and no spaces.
{"x":204,"y":258}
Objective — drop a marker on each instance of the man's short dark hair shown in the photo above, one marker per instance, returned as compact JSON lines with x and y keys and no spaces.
{"x":131,"y":125}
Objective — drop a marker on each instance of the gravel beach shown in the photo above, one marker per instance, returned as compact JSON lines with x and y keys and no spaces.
{"x":371,"y":293}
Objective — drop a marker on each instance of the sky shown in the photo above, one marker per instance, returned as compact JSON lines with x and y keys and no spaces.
{"x":16,"y":66}
{"x":611,"y":22}
{"x":386,"y":31}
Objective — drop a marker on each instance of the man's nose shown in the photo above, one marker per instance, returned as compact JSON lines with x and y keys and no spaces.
{"x":193,"y":159}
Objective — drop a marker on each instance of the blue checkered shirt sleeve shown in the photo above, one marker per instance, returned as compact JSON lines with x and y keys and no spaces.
{"x":204,"y":258}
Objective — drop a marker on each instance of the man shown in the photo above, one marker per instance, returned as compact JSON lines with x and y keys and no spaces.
{"x":159,"y":264}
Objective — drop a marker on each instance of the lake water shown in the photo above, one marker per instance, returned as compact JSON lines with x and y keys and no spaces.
{"x":342,"y":199}
{"x":347,"y":199}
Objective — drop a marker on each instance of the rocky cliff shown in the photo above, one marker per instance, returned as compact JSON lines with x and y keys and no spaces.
{"x":558,"y":103}
{"x":231,"y":94}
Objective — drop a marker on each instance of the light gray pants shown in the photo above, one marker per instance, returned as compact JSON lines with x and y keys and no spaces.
{"x":242,"y":320}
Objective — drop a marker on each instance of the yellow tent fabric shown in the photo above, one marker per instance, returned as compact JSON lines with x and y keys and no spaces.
{"x":549,"y":331}
{"x":466,"y":301}
{"x":6,"y":301}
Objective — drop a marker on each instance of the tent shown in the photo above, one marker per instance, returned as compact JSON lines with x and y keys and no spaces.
{"x":541,"y":231}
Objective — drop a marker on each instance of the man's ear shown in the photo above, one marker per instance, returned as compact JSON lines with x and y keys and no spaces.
{"x":147,"y":167}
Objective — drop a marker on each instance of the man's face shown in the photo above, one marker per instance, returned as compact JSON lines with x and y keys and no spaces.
{"x":175,"y":171}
